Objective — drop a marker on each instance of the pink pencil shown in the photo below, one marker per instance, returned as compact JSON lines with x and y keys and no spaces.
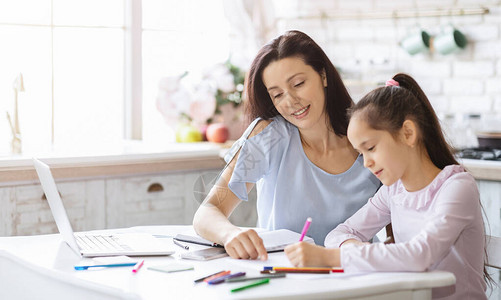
{"x":138,"y":266}
{"x":305,"y":228}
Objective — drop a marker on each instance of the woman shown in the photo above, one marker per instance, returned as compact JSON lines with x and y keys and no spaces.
{"x":295,"y":150}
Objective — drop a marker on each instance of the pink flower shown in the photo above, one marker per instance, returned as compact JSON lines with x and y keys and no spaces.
{"x":202,"y":106}
{"x":173,"y":99}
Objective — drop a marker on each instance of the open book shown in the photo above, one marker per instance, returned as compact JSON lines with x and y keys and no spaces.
{"x":274,"y":241}
{"x":277,"y":240}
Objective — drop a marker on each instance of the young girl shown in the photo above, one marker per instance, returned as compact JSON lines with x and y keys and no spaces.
{"x":432,"y":203}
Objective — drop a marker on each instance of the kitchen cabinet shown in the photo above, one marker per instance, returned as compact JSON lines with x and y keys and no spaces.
{"x":25,"y":210}
{"x":157,"y":199}
{"x":166,"y":200}
{"x":490,"y":196}
{"x":6,"y":211}
{"x":146,"y":200}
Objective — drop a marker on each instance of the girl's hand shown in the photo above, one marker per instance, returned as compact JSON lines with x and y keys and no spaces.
{"x":246,"y":245}
{"x":304,"y":254}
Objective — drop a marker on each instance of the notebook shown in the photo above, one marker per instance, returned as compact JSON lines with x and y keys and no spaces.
{"x":93,"y":245}
{"x":274,"y":241}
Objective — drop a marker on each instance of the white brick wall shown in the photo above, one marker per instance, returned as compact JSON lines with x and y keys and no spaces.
{"x":473,"y":69}
{"x":463,"y":87}
{"x":497,"y":103}
{"x":465,"y":82}
{"x":471,"y":104}
{"x":493,"y":86}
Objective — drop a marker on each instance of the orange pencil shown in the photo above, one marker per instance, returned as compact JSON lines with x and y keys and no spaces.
{"x":217,"y":276}
{"x":303,"y":270}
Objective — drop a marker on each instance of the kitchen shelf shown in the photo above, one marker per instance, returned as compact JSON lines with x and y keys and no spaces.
{"x":396,"y":14}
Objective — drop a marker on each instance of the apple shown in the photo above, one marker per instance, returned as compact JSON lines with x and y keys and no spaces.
{"x":188,"y":134}
{"x":217,"y":133}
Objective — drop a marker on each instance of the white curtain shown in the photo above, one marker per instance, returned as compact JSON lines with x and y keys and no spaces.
{"x":252,"y":24}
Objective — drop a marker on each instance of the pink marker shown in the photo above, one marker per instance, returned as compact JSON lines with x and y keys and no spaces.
{"x":305,"y":228}
{"x":138,"y":266}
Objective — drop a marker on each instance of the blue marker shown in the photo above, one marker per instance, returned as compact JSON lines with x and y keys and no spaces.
{"x":104,"y":266}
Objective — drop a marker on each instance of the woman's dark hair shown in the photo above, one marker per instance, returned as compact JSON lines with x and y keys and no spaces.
{"x":386,"y":108}
{"x":297,"y":44}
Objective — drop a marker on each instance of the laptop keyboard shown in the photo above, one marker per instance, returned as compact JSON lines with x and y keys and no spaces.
{"x":100,"y":243}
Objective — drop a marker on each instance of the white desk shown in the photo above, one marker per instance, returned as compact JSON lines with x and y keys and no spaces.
{"x":49,"y":252}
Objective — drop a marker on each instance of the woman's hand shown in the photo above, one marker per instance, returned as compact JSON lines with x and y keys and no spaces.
{"x":304,"y":254}
{"x":246,"y":245}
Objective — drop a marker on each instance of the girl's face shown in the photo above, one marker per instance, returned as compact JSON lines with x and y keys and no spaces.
{"x":385,"y":156}
{"x":297,"y":91}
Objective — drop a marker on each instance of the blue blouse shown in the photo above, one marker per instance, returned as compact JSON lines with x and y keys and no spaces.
{"x":290,"y":188}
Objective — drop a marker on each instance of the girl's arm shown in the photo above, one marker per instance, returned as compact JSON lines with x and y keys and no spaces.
{"x":457,"y":207}
{"x":364,"y":224}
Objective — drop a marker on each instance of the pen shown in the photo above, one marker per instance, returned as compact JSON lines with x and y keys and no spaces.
{"x":138,"y":266}
{"x":205,"y":277}
{"x":223,"y":278}
{"x":188,"y":239}
{"x":105,"y":266}
{"x":181,"y":245}
{"x":264,"y":281}
{"x":305,"y":228}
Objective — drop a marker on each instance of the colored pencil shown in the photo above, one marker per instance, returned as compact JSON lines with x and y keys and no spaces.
{"x":264,"y":281}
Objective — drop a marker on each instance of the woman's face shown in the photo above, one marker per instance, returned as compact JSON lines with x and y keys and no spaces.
{"x":297,"y":91}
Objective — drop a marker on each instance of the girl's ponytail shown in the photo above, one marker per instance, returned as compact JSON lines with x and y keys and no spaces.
{"x":387,"y":108}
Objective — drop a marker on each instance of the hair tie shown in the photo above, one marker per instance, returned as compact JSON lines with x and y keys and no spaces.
{"x":392,"y":82}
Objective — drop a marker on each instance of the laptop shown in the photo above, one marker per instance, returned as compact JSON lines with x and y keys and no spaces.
{"x":93,"y":245}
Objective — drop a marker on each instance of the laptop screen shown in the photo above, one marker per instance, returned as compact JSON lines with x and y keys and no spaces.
{"x":55,"y":204}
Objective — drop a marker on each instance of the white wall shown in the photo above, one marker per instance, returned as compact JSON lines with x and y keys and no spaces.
{"x":367,"y":50}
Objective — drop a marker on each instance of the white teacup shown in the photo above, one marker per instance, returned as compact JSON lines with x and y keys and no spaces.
{"x":449,"y":41}
{"x":416,"y":43}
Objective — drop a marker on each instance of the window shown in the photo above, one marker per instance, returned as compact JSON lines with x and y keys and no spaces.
{"x":178,"y":36}
{"x":73,"y":55}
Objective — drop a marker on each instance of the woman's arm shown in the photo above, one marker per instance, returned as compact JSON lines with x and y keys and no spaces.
{"x":211,"y":222}
{"x":211,"y":219}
